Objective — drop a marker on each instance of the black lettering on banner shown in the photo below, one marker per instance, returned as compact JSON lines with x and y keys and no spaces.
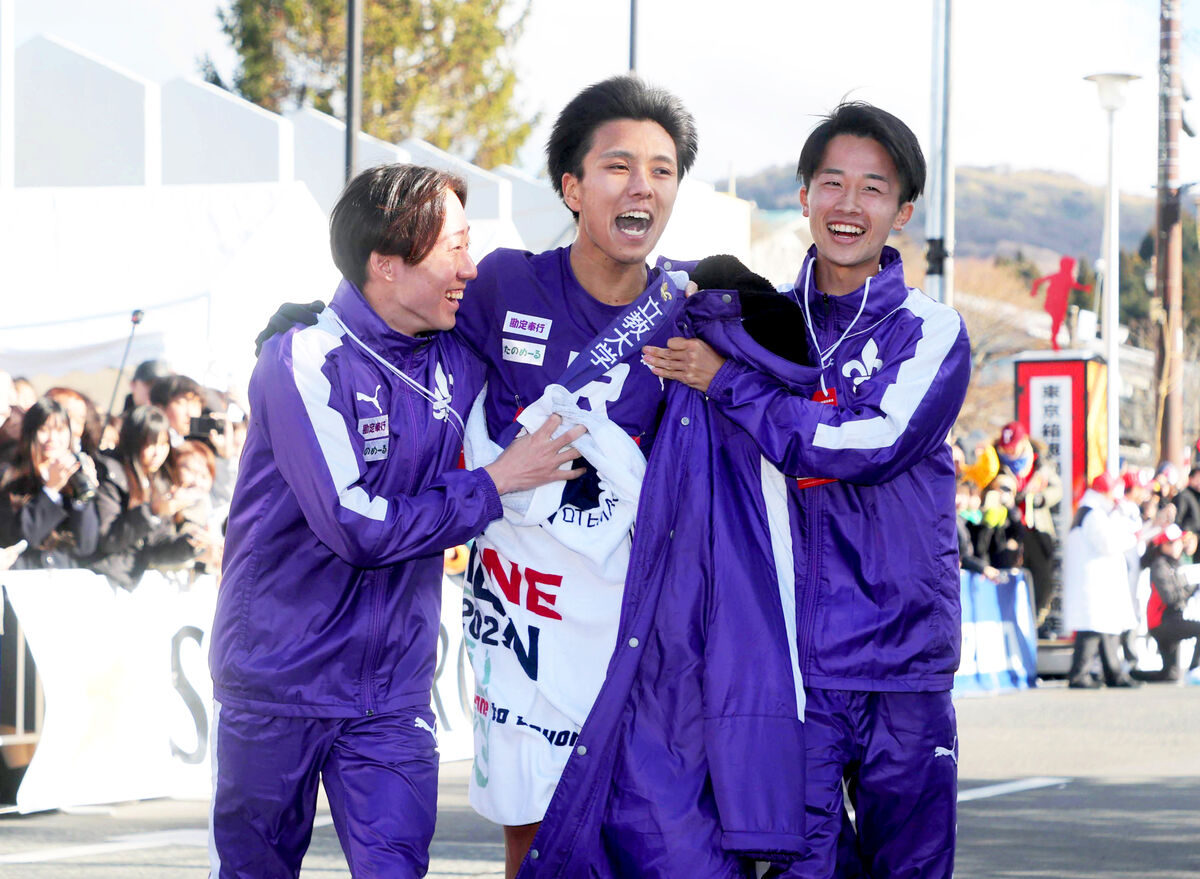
{"x":489,"y":634}
{"x":190,"y":697}
{"x":527,"y":657}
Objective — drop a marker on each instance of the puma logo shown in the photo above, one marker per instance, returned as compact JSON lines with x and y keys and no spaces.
{"x":939,"y":751}
{"x":420,"y":723}
{"x":374,"y":401}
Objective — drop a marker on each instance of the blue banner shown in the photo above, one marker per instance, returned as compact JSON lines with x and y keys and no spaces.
{"x":999,"y":637}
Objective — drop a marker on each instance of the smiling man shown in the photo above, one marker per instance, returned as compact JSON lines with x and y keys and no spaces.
{"x":349,"y":492}
{"x":877,"y":579}
{"x":543,"y":598}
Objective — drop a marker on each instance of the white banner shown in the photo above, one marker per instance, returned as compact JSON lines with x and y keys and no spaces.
{"x":128,"y":693}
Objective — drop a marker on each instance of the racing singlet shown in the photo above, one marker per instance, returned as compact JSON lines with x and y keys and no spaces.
{"x":544,"y":584}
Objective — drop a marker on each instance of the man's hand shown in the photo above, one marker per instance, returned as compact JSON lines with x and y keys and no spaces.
{"x":289,"y":313}
{"x":533,"y":459}
{"x":690,"y":361}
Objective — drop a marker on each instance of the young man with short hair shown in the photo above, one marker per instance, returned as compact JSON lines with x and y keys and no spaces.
{"x":877,"y":579}
{"x":349,"y":492}
{"x":543,"y":598}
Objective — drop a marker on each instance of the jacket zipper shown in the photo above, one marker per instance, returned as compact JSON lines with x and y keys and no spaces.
{"x":809,"y":598}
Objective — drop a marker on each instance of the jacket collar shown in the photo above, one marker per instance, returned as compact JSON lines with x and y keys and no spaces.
{"x":351,"y":306}
{"x":886,"y":291}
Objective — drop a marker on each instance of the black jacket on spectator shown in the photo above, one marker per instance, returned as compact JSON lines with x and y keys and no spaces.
{"x":133,"y":539}
{"x":61,"y":534}
{"x":966,"y":549}
{"x":1187,"y":509}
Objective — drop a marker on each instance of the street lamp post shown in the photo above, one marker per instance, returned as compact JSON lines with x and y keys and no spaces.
{"x":1111,"y":88}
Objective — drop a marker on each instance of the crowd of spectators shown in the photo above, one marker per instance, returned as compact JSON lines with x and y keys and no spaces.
{"x":1139,"y":520}
{"x":147,"y":488}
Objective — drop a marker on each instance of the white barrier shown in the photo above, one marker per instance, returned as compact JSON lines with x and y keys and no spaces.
{"x":127,"y":690}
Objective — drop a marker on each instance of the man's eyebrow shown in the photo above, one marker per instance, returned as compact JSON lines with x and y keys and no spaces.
{"x":626,"y":154}
{"x":839,"y":171}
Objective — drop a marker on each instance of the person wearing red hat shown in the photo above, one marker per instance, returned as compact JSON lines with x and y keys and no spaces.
{"x":1039,"y":490}
{"x":1169,"y":594}
{"x":1095,"y":584}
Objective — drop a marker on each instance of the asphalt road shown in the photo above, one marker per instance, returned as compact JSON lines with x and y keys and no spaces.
{"x":1054,"y":784}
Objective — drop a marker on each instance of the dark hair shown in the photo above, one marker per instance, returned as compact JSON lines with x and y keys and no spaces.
{"x":861,"y":119}
{"x":143,"y":426}
{"x":619,"y":97}
{"x":92,"y":426}
{"x":45,"y":410}
{"x":22,"y":481}
{"x":397,"y":210}
{"x":164,"y":390}
{"x":150,"y":371}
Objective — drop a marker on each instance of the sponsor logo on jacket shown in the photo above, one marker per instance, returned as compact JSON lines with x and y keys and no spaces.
{"x":527,"y":325}
{"x":532,"y":353}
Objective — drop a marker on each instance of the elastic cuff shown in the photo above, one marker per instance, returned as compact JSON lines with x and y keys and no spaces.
{"x":491,"y":496}
{"x":718,"y":388}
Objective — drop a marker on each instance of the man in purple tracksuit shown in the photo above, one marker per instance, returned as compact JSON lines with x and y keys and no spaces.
{"x":327,"y":618}
{"x":877,"y":583}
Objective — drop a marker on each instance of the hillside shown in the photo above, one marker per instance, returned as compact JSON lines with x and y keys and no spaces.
{"x":1042,"y":214}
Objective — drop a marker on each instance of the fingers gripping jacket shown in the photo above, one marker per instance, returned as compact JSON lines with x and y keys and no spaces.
{"x":288,"y":315}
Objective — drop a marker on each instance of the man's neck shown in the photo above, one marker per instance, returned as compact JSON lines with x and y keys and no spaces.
{"x":835,"y":280}
{"x":607,"y":280}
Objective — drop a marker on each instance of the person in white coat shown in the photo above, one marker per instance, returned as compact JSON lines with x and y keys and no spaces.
{"x":1096,"y":584}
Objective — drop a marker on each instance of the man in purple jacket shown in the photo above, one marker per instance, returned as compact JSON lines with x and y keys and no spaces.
{"x":877,"y":582}
{"x":327,"y":618}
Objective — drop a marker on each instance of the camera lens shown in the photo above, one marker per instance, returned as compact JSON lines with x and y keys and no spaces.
{"x":83,"y":486}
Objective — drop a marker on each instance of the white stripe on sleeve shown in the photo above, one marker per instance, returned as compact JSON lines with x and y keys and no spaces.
{"x":939,"y":329}
{"x":310,"y":348}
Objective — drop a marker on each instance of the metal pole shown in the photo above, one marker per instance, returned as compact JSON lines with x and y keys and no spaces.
{"x":633,"y":36}
{"x":354,"y":28}
{"x":1112,"y":287}
{"x":939,"y":217}
{"x":1169,"y":237}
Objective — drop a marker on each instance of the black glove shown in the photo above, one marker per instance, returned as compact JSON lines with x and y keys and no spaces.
{"x":289,"y":314}
{"x":725,"y":272}
{"x":772,"y":320}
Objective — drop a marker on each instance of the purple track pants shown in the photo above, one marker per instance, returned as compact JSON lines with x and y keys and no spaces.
{"x":380,"y":775}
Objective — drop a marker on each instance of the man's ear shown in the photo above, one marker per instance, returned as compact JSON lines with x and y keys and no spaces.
{"x":381,"y":267}
{"x":904,"y":215}
{"x":570,"y":188}
{"x":804,"y":199}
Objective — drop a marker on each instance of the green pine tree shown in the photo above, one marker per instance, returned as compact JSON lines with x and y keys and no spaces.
{"x":438,"y":70}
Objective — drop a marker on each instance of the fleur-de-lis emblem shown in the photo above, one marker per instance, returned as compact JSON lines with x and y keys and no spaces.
{"x":443,"y":385}
{"x":861,"y":370}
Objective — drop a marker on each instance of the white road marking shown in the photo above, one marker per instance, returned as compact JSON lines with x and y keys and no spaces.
{"x":193,"y":837}
{"x":1009,"y":787}
{"x":198,"y":837}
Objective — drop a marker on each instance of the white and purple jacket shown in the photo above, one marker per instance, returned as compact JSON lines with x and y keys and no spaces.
{"x":877,"y":570}
{"x":347,"y":495}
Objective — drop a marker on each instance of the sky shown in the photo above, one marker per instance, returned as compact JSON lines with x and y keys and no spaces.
{"x":758,"y":75}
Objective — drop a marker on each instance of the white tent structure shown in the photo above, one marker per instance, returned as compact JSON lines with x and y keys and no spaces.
{"x":207,"y":264}
{"x":204,"y":212}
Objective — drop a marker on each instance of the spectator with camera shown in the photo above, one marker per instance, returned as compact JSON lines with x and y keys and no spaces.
{"x":47,"y":497}
{"x":138,"y":504}
{"x":182,"y":400}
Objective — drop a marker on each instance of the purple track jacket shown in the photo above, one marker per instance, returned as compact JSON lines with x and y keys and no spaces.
{"x":692,"y":758}
{"x":347,"y":495}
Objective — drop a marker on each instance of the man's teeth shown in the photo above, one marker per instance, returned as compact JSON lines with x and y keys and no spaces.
{"x":634,"y":222}
{"x":454,"y":295}
{"x":844,"y":229}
